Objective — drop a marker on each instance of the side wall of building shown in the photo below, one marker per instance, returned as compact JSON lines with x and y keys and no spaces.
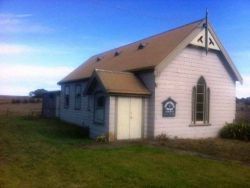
{"x":177,"y":80}
{"x":148,"y":78}
{"x":84,"y":116}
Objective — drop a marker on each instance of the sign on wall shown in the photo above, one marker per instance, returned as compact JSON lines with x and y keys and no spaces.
{"x":168,"y":108}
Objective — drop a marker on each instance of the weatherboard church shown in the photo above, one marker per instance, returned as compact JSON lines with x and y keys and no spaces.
{"x":180,"y":83}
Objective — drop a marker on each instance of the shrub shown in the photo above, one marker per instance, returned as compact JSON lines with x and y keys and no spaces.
{"x":162,"y":138}
{"x":101,"y":139}
{"x":240,"y":131}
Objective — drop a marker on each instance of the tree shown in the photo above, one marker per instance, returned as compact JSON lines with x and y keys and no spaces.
{"x":37,"y":93}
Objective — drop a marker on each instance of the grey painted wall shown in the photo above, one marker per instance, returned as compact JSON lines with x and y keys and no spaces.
{"x":84,"y":116}
{"x":148,"y":78}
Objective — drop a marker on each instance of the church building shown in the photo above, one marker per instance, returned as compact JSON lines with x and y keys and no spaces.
{"x":180,"y":83}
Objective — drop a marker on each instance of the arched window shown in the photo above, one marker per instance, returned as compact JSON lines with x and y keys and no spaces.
{"x":200,"y":102}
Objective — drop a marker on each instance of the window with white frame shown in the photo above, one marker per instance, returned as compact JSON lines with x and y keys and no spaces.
{"x":200,"y":102}
{"x":78,"y":101}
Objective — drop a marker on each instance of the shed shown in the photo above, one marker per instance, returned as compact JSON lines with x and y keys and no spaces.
{"x":51,"y":104}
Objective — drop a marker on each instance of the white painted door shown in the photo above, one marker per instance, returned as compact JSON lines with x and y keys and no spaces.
{"x":135,"y":117}
{"x":123,"y":118}
{"x":129,"y":118}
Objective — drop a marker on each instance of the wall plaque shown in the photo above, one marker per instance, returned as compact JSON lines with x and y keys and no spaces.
{"x":168,"y":108}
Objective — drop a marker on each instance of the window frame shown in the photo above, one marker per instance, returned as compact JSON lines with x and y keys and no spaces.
{"x":66,"y":97}
{"x":96,"y":96}
{"x":78,"y":95}
{"x":205,"y":103}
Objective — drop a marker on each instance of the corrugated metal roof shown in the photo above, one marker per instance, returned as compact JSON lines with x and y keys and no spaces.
{"x":124,"y":83}
{"x":155,"y":49}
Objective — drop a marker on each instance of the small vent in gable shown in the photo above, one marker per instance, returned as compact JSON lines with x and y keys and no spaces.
{"x":141,"y":46}
{"x":98,"y":59}
{"x":117,"y":53}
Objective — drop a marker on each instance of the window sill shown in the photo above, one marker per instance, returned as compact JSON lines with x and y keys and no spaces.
{"x":199,"y":125}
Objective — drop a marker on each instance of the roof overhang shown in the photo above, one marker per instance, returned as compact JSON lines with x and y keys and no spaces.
{"x":116,"y":83}
{"x":236,"y":75}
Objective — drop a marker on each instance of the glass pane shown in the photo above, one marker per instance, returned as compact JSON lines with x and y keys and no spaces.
{"x":200,"y":98}
{"x":201,"y":81}
{"x":78,"y":89}
{"x":78,"y":103}
{"x":199,"y":107}
{"x":99,"y":115}
{"x":199,"y":116}
{"x":67,"y":90}
{"x":101,"y":101}
{"x":200,"y":88}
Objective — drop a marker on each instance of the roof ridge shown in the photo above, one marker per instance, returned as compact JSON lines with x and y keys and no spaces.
{"x":121,"y":72}
{"x":152,"y":36}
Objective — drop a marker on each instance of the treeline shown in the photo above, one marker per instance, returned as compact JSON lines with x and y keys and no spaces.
{"x":26,"y":100}
{"x":245,"y":101}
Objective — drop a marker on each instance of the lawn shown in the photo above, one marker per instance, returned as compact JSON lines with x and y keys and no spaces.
{"x":49,"y":153}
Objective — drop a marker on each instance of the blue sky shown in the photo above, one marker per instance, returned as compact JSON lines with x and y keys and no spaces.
{"x":43,"y":40}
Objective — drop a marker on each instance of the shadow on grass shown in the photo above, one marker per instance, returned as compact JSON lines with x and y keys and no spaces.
{"x":56,"y":129}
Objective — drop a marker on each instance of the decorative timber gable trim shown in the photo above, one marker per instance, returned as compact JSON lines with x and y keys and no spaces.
{"x":193,"y":40}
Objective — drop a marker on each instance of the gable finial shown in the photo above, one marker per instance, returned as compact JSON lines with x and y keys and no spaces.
{"x":206,"y":32}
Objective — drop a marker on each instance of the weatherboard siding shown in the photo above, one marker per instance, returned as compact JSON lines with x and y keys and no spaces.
{"x":70,"y":114}
{"x":84,"y":116}
{"x":177,"y":80}
{"x":148,"y":80}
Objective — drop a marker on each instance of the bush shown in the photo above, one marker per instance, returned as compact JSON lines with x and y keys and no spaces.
{"x":162,"y":138}
{"x":240,"y":131}
{"x":102,"y":139}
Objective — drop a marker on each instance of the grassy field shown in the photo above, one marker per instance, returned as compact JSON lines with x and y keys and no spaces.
{"x":49,"y":153}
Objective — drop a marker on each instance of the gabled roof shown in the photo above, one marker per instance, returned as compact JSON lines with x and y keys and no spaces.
{"x":156,"y":48}
{"x":147,"y":53}
{"x":114,"y":82}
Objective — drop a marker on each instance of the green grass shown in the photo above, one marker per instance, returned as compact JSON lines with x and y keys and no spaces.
{"x":49,"y":153}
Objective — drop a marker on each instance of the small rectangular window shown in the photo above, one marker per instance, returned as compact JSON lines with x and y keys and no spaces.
{"x":66,"y":97}
{"x":78,"y":101}
{"x":99,"y":111}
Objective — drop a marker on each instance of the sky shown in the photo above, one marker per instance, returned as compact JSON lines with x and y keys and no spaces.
{"x":41,"y":41}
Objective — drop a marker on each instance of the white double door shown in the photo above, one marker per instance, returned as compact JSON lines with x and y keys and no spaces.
{"x":129,"y":118}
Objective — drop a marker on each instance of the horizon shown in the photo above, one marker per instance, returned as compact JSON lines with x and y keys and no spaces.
{"x":43,"y":41}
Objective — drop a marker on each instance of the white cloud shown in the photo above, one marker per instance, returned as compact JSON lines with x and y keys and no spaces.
{"x":19,"y":49}
{"x":244,"y":89}
{"x":21,"y":79}
{"x":8,"y":49}
{"x":20,"y":23}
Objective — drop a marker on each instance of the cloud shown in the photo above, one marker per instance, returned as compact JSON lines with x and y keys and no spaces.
{"x":20,"y":23}
{"x":244,"y":89}
{"x":9,"y":49}
{"x":21,"y":79}
{"x":19,"y":49}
